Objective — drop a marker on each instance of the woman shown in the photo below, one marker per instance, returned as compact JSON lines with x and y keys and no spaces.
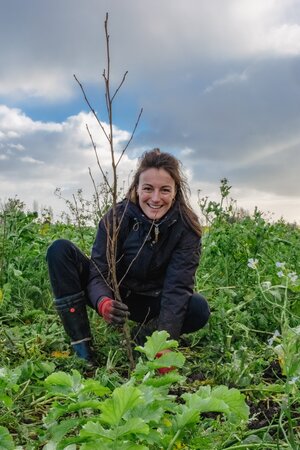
{"x":158,"y":250}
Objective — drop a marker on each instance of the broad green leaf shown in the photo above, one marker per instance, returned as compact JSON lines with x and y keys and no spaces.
{"x":10,"y":378}
{"x":131,"y":446}
{"x":58,"y":431}
{"x":61,"y":410}
{"x":123,"y":399}
{"x":42,"y":368}
{"x":165,"y":380}
{"x":170,"y":359}
{"x":288,"y":352}
{"x":156,"y":343}
{"x":219,"y":399}
{"x":156,"y":401}
{"x":96,"y":434}
{"x":6,"y":440}
{"x":238,"y":409}
{"x":94,"y":387}
{"x":186,"y":417}
{"x":150,"y":413}
{"x":6,"y":400}
{"x":51,"y":445}
{"x":94,"y":430}
{"x":100,"y":444}
{"x":64,"y":383}
{"x":135,"y":425}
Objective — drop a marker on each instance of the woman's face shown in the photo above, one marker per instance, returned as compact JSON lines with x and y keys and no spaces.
{"x":156,"y":192}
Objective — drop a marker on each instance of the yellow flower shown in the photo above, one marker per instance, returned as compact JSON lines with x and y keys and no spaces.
{"x":167,"y":422}
{"x":57,"y":354}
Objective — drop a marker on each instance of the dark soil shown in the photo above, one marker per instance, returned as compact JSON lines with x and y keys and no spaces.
{"x":263,"y":413}
{"x":273,"y":372}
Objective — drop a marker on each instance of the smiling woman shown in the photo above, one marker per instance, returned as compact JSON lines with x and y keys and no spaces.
{"x":158,"y":249}
{"x":156,"y":192}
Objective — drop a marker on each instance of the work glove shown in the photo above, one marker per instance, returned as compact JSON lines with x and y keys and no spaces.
{"x":163,"y":370}
{"x":112,"y":311}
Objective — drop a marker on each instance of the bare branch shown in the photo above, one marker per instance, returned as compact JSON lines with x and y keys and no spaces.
{"x":91,"y":108}
{"x":139,"y":251}
{"x":95,"y":189}
{"x":120,"y":85}
{"x":98,"y":161}
{"x":131,"y":137}
{"x":101,"y":274}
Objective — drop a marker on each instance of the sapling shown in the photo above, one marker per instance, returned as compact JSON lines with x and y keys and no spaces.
{"x":112,"y":226}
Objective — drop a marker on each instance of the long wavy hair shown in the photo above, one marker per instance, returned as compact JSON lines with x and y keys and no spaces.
{"x":161,"y":160}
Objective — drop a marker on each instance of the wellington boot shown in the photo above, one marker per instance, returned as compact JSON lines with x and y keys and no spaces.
{"x":73,"y":314}
{"x":85,"y":351}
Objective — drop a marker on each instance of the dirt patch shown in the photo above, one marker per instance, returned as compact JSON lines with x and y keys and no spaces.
{"x":263,"y":413}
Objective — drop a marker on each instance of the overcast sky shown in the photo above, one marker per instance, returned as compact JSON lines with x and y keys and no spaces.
{"x":218,"y":81}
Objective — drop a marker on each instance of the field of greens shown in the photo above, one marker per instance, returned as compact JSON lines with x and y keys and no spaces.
{"x":235,"y":384}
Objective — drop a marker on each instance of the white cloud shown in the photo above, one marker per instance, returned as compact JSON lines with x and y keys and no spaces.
{"x":30,"y":160}
{"x":284,"y":39}
{"x":56,"y":155}
{"x":231,"y":78}
{"x":187,"y":151}
{"x":18,"y":147}
{"x":61,"y":159}
{"x":14,"y":123}
{"x":268,"y":26}
{"x":52,"y":84}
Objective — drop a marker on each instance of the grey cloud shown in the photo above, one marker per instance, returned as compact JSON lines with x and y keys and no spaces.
{"x":54,"y":39}
{"x":223,"y":81}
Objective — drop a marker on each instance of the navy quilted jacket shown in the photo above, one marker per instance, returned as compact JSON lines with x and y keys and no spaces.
{"x":148,"y":265}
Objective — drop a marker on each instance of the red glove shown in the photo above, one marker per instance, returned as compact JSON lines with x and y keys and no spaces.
{"x":112,"y":311}
{"x":164,"y":370}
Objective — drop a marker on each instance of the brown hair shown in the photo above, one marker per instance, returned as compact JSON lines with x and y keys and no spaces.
{"x":161,"y":160}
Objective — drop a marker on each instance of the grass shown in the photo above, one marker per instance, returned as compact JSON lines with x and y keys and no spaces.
{"x":249,"y":273}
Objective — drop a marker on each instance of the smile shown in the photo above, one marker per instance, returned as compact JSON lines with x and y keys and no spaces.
{"x":154,"y":206}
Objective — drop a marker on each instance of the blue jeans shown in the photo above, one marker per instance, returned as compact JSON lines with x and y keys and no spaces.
{"x":69,"y":271}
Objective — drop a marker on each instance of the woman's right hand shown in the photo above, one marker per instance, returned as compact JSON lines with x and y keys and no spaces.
{"x":112,"y":311}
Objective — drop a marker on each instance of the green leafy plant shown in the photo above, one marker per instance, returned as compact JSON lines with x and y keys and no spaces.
{"x":248,"y":353}
{"x":139,"y":414}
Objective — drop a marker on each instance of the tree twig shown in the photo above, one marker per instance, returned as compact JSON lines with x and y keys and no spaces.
{"x":91,"y":108}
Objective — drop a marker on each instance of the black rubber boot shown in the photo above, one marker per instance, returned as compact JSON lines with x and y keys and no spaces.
{"x":73,"y":314}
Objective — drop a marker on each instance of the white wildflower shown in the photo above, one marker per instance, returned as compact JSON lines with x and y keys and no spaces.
{"x":280,"y":264}
{"x":293,"y":277}
{"x":252,"y":263}
{"x":272,"y":339}
{"x":280,"y":274}
{"x":294,"y":380}
{"x":266,"y":285}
